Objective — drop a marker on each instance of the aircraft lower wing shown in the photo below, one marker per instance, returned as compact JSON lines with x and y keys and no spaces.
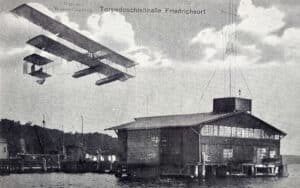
{"x":69,"y":34}
{"x":49,"y":45}
{"x":39,"y":74}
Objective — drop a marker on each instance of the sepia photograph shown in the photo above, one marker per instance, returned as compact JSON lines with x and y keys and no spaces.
{"x":149,"y":93}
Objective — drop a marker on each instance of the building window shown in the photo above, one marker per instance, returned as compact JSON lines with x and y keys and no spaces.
{"x":207,"y":130}
{"x":204,"y":148}
{"x":101,"y":158}
{"x":250,"y":133}
{"x":243,"y":132}
{"x":163,"y":142}
{"x":227,"y":153}
{"x":246,"y":132}
{"x":4,"y":149}
{"x":272,"y":153}
{"x":155,"y":139}
{"x":261,"y":153}
{"x":227,"y":131}
{"x":233,"y":132}
{"x":262,"y":134}
{"x":222,"y":131}
{"x":113,"y":158}
{"x":216,"y":131}
{"x":239,"y":132}
{"x":204,"y":130}
{"x":256,"y":133}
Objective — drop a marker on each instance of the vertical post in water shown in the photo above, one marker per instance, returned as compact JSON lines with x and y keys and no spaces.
{"x":196,"y":170}
{"x":44,"y":165}
{"x":203,"y":165}
{"x":81,"y":129}
{"x":58,"y":163}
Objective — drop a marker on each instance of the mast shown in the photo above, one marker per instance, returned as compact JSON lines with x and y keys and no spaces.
{"x":230,"y":87}
{"x":43,"y":134}
{"x":63,"y":140}
{"x":230,"y":50}
{"x":82,"y":144}
{"x":82,"y":130}
{"x":43,"y":122}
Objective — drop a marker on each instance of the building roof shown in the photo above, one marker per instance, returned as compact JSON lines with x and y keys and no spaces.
{"x":181,"y":120}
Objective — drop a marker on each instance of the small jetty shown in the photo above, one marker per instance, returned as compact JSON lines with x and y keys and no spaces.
{"x":45,"y":163}
{"x":72,"y":158}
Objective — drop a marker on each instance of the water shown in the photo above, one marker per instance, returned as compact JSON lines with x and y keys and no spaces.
{"x":90,"y":180}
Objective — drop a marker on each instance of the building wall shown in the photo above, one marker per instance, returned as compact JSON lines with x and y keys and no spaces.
{"x":122,"y":138}
{"x":171,"y":147}
{"x":3,"y":150}
{"x":176,"y":146}
{"x":243,"y":150}
{"x":190,"y":145}
{"x":143,"y":147}
{"x":220,"y":149}
{"x":243,"y":104}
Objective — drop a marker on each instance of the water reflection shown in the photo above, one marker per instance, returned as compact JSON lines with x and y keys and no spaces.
{"x":90,"y":180}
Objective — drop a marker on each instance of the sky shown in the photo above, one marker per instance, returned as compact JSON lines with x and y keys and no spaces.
{"x":183,"y":62}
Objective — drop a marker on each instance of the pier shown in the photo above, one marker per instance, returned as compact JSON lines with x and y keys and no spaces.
{"x":8,"y":166}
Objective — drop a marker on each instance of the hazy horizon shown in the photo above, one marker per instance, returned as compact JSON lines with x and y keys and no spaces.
{"x":177,"y":56}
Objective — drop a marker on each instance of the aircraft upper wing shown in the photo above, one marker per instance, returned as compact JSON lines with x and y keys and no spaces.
{"x":37,"y":59}
{"x":69,"y":34}
{"x":49,"y":45}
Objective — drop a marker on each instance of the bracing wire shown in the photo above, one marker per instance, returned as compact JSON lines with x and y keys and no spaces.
{"x":246,"y":83}
{"x":208,"y":83}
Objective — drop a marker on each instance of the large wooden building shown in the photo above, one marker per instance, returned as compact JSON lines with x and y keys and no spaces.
{"x":229,"y":140}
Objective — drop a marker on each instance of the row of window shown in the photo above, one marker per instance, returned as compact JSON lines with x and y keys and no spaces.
{"x":226,"y":131}
{"x":228,"y":154}
{"x":261,"y":153}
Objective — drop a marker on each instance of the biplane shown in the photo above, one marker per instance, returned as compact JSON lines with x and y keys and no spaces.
{"x":93,"y":59}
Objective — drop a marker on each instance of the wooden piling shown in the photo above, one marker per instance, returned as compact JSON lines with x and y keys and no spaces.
{"x":203,"y":171}
{"x":283,"y":171}
{"x":252,"y":170}
{"x":44,"y":165}
{"x":22,"y":166}
{"x":196,"y":173}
